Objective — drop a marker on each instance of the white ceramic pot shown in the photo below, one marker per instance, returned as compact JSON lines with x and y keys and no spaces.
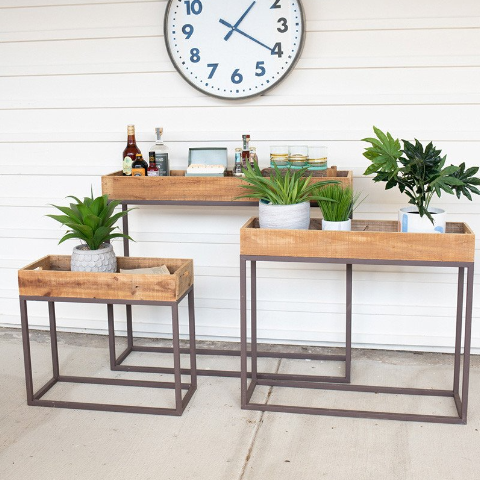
{"x":411,"y":222}
{"x":285,"y":217}
{"x":86,"y":260}
{"x":345,"y":226}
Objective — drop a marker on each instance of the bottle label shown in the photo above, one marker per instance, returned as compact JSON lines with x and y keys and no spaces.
{"x":161,"y":161}
{"x":152,"y":173}
{"x":127,"y":166}
{"x":138,"y":172}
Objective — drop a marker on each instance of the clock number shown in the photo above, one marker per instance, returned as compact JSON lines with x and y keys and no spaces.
{"x":284,"y":27}
{"x":260,"y":66}
{"x":194,"y":55}
{"x":237,"y":77}
{"x":277,"y":50}
{"x":194,"y":7}
{"x":188,"y":30}
{"x":276,"y":4}
{"x":214,"y":67}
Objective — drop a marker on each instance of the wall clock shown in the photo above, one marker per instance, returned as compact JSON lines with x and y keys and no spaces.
{"x":234,"y":49}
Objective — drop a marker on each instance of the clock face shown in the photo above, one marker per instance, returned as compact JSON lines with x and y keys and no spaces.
{"x":234,"y":48}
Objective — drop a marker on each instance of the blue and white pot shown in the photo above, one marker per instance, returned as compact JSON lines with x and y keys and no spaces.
{"x":410,"y":221}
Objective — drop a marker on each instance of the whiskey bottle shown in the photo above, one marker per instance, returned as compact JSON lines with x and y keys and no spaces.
{"x":130,"y":152}
{"x":160,"y":152}
{"x":139,"y":166}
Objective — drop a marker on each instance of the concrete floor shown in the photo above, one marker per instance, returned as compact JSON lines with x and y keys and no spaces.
{"x":214,"y":439}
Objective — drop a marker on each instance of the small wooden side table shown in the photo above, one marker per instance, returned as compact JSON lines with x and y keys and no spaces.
{"x":50,"y":280}
{"x":369,"y":243}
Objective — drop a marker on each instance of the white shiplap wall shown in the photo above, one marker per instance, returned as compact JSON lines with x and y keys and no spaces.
{"x":74,"y":73}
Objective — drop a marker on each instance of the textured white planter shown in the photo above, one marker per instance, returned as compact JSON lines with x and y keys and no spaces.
{"x":285,"y":217}
{"x":345,"y":226}
{"x":410,"y":221}
{"x":101,"y":260}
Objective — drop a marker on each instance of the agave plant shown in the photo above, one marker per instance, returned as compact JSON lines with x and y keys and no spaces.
{"x":91,"y":220}
{"x":287,"y":187}
{"x":345,"y":202}
{"x":418,"y":171}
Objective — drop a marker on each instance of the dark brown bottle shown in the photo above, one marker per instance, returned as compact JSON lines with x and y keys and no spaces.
{"x":139,"y":166}
{"x":130,"y":152}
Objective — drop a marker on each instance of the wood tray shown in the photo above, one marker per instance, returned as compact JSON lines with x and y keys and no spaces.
{"x":51,"y":277}
{"x":368,"y":240}
{"x":177,"y":188}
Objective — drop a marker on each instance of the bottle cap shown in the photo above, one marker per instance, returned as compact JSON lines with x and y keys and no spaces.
{"x":131,"y":129}
{"x":138,"y":155}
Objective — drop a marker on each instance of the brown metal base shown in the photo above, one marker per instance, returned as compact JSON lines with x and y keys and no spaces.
{"x":461,"y":402}
{"x":181,"y":401}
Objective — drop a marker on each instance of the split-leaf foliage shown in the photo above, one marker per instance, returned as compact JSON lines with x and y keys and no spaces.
{"x":417,"y":171}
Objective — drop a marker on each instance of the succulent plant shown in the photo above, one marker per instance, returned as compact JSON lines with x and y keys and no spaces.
{"x":282,"y":187}
{"x":91,"y":220}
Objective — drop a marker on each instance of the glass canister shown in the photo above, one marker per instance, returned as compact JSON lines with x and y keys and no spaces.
{"x":279,"y":156}
{"x":317,"y":158}
{"x":298,"y":156}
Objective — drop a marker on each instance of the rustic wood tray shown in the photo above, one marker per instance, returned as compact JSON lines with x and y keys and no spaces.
{"x":178,"y":188}
{"x":51,"y":277}
{"x":368,"y":240}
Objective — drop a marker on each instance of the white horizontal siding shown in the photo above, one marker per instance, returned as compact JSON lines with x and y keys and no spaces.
{"x":73,"y":73}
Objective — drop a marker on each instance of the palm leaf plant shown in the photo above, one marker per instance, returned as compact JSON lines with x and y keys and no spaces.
{"x":417,"y":171}
{"x":91,"y":221}
{"x":282,"y":187}
{"x":344,"y":203}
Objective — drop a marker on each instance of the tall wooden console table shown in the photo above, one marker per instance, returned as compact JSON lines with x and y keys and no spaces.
{"x":201,"y":191}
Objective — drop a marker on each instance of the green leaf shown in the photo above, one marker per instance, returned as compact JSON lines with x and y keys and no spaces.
{"x":67,"y":211}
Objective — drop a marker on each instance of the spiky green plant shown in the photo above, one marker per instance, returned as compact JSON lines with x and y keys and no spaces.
{"x":344,"y":203}
{"x":418,"y":172}
{"x":282,"y":187}
{"x":91,"y":220}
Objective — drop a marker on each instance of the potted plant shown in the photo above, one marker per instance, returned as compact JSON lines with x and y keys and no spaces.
{"x":91,"y":221}
{"x":337,"y":213}
{"x":284,"y":197}
{"x":420,"y":173}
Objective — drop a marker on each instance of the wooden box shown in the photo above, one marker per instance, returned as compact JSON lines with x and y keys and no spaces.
{"x":368,"y":240}
{"x":178,"y":188}
{"x":51,"y":277}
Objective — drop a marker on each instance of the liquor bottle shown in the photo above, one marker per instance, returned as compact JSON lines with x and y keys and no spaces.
{"x":253,"y":156}
{"x":238,"y":169}
{"x":152,"y":170}
{"x":130,"y":152}
{"x":139,"y":166}
{"x":246,"y":150}
{"x":160,"y":152}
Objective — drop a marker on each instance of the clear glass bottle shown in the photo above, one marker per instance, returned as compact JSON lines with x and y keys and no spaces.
{"x":160,"y":152}
{"x":246,"y":150}
{"x":238,"y":169}
{"x":253,"y":156}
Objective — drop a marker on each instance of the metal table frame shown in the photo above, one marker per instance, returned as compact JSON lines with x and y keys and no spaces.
{"x":461,"y":402}
{"x":181,"y":401}
{"x":117,"y":363}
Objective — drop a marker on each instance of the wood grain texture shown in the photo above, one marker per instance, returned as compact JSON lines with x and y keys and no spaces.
{"x":368,"y":240}
{"x":56,"y":280}
{"x":191,"y":189}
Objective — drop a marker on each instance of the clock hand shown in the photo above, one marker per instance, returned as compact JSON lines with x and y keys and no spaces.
{"x":240,"y":20}
{"x":223,"y":22}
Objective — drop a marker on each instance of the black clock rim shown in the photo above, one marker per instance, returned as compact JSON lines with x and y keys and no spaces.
{"x":238,"y":99}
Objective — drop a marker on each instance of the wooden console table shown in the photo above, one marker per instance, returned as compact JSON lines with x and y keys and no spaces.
{"x":200,"y":191}
{"x":369,"y":243}
{"x":50,"y":280}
